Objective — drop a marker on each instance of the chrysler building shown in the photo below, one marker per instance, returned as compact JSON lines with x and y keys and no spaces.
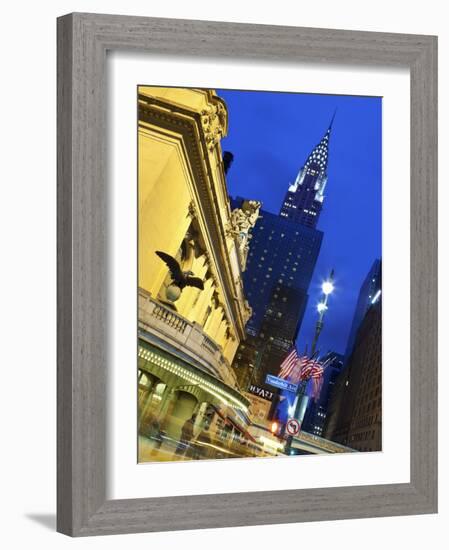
{"x":304,"y":198}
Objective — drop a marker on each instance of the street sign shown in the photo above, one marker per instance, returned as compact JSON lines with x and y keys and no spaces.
{"x":281,"y":383}
{"x":292,"y":427}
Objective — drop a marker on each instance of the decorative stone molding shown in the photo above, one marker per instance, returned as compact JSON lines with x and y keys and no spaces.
{"x":215,"y":300}
{"x":192,"y":210}
{"x":214,"y":281}
{"x":229,"y":334}
{"x":213,"y":122}
{"x":248,"y":310}
{"x":208,"y":260}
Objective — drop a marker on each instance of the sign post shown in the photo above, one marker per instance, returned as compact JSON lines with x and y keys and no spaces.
{"x":299,"y":410}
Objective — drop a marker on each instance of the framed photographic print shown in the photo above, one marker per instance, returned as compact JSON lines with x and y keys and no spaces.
{"x":246,"y":274}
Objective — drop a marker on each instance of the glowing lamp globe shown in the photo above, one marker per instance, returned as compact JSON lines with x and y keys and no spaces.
{"x":327,"y":287}
{"x":321,"y":307}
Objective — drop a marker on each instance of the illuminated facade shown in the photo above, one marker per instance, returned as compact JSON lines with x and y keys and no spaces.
{"x":188,"y":336}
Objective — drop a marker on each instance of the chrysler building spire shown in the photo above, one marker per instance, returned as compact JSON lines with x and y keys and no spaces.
{"x":304,"y":199}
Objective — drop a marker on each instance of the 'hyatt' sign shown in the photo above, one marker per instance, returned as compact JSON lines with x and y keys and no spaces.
{"x":266,"y":394}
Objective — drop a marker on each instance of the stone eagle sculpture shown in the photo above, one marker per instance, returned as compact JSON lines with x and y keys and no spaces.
{"x":180,"y":278}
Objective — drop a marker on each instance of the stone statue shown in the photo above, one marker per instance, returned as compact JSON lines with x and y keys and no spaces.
{"x":242,"y":221}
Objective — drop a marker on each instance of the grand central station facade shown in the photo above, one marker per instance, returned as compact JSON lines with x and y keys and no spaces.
{"x":188,"y":334}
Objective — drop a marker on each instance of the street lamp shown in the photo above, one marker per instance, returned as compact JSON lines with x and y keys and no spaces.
{"x":327,"y":288}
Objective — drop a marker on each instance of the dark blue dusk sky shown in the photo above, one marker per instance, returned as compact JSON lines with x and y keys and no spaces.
{"x":271,"y":134}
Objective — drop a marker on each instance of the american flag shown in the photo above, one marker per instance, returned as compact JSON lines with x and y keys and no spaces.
{"x":296,"y":368}
{"x":289,"y":363}
{"x":317,"y":377}
{"x":304,"y":369}
{"x":314,"y":369}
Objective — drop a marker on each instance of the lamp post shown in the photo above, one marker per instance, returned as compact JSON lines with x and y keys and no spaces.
{"x":301,"y":399}
{"x":327,"y":288}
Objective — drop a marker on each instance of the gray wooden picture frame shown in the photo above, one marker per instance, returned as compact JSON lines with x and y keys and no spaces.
{"x":83,"y":40}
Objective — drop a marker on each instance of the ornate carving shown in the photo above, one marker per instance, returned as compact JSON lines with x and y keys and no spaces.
{"x":213,"y":121}
{"x":248,"y":309}
{"x":242,"y":221}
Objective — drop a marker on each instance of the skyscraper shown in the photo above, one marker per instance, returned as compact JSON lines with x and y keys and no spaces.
{"x":279,"y":269}
{"x":355,"y":407}
{"x":282,"y":256}
{"x":369,"y":293}
{"x":304,"y":199}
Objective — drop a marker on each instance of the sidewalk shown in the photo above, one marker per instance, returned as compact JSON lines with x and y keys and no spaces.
{"x":149,"y":451}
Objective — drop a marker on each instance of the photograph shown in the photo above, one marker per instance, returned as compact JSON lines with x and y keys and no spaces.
{"x":259,"y":329}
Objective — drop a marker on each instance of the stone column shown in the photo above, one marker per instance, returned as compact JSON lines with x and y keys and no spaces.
{"x":154,"y":381}
{"x":183,"y":406}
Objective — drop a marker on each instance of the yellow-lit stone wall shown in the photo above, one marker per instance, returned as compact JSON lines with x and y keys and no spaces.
{"x":163,"y":206}
{"x":169,"y":205}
